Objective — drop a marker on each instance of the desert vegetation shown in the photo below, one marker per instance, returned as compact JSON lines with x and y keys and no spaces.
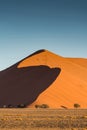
{"x":42,"y":119}
{"x":42,"y":106}
{"x":14,"y":106}
{"x":76,"y":105}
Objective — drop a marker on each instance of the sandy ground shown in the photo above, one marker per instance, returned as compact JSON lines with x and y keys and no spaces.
{"x":42,"y":119}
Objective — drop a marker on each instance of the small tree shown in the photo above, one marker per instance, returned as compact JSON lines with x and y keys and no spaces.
{"x":76,"y":105}
{"x":9,"y":106}
{"x":37,"y":106}
{"x":4,"y":106}
{"x":21,"y":106}
{"x":44,"y":106}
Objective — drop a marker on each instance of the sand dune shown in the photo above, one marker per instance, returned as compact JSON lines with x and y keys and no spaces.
{"x":65,"y":84}
{"x":71,"y":85}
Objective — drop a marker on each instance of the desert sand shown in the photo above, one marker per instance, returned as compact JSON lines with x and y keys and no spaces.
{"x":69,"y":87}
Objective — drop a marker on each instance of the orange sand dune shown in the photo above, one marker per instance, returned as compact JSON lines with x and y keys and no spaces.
{"x":79,"y":61}
{"x":69,"y":87}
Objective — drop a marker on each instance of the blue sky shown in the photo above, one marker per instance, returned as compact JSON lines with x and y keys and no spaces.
{"x":26,"y":26}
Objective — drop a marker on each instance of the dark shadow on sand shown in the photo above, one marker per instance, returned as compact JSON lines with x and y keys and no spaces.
{"x":23,"y":85}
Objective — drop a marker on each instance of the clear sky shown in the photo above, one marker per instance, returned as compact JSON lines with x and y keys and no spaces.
{"x":26,"y":26}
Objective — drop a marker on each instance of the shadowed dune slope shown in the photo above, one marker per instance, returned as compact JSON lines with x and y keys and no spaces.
{"x":70,"y":86}
{"x":22,"y":86}
{"x":45,"y":78}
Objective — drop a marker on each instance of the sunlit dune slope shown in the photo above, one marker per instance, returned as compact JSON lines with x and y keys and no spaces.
{"x":69,"y":87}
{"x":79,"y":61}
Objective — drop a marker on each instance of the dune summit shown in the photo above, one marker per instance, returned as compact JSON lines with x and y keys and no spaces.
{"x":45,"y":78}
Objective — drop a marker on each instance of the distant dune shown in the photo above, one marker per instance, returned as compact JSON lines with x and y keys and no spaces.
{"x":45,"y":78}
